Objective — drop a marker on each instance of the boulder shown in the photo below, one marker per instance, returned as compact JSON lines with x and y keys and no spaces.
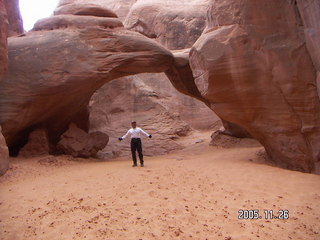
{"x":78,"y":143}
{"x":253,"y":68}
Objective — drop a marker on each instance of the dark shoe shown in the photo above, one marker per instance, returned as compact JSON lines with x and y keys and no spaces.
{"x":141,"y":165}
{"x":134,"y":165}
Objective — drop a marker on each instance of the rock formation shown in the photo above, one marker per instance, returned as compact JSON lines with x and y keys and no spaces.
{"x":310,"y":14}
{"x":177,"y":25}
{"x":80,"y":15}
{"x":150,"y":98}
{"x":3,"y":38}
{"x":78,"y":143}
{"x":14,"y":17}
{"x":10,"y":24}
{"x":4,"y":155}
{"x":83,"y":57}
{"x":253,"y":66}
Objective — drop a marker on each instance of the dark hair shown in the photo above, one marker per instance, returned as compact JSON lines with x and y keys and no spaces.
{"x":133,"y":122}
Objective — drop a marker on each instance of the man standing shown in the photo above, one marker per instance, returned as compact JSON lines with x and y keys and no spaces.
{"x":136,"y":143}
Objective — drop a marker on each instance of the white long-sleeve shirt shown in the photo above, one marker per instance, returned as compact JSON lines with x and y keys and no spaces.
{"x":135,"y":133}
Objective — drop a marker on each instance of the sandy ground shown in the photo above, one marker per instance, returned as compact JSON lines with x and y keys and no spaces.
{"x":191,"y":194}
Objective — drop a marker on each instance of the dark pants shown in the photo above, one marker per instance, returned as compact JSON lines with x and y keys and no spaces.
{"x":136,"y":145}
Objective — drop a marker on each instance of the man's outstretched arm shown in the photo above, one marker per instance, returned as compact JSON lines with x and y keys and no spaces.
{"x":121,"y":138}
{"x":148,"y":135}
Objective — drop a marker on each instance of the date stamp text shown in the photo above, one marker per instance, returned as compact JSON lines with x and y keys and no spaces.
{"x":244,"y":214}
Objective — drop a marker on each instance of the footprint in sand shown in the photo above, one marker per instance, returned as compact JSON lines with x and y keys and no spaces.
{"x":152,"y":194}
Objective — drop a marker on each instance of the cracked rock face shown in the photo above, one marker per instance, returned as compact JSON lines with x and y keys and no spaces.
{"x":83,"y":57}
{"x":253,"y":66}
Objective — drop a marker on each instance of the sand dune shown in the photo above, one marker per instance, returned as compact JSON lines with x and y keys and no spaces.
{"x":195,"y":193}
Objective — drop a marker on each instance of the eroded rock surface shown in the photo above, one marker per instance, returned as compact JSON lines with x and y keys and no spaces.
{"x":85,"y":9}
{"x":10,"y":25}
{"x":310,"y":13}
{"x":176,"y":24}
{"x":78,"y":143}
{"x":14,"y":17}
{"x":120,"y":7}
{"x":254,"y":68}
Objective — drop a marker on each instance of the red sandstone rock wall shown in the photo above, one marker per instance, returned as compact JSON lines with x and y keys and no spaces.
{"x":254,"y":67}
{"x":310,"y":14}
{"x":4,"y":160}
{"x":8,"y":11}
{"x":3,"y":38}
{"x":14,"y":17}
{"x":10,"y":25}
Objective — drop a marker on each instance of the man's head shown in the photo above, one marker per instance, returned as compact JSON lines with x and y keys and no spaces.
{"x":134,"y":124}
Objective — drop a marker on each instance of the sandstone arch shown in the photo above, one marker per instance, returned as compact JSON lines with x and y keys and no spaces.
{"x":36,"y":92}
{"x":246,"y":68}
